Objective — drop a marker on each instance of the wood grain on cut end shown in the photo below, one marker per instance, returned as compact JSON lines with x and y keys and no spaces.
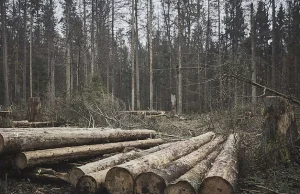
{"x":21,"y":161}
{"x":119,"y":181}
{"x":216,"y":185}
{"x":181,"y":187}
{"x":74,"y":175}
{"x":86,"y":185}
{"x":149,"y":183}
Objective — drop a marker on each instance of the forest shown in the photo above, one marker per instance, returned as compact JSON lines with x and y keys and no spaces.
{"x":143,"y":52}
{"x":150,"y":96}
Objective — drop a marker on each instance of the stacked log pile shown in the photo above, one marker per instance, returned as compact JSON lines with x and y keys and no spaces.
{"x":202,"y":164}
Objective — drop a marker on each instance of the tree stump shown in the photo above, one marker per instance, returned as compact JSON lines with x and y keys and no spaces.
{"x":280,"y":132}
{"x":34,"y":107}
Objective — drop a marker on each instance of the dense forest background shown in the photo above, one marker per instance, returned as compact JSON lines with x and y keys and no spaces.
{"x":143,"y":52}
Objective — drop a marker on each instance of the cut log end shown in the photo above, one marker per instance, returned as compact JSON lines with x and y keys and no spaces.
{"x":87,"y":184}
{"x":21,"y":161}
{"x":74,"y":175}
{"x":216,"y":185}
{"x":119,"y":180}
{"x":149,"y":183}
{"x":181,"y":187}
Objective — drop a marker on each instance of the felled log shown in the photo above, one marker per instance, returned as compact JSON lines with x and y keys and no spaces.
{"x":99,"y":165}
{"x":32,"y":158}
{"x":156,"y":180}
{"x":15,"y":142}
{"x":26,"y":124}
{"x":92,"y":183}
{"x":34,"y":108}
{"x":279,"y":132}
{"x":222,"y":177}
{"x":120,"y":179}
{"x":55,"y":130}
{"x":189,"y":183}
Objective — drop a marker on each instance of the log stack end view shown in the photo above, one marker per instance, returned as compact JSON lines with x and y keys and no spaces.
{"x":205,"y":164}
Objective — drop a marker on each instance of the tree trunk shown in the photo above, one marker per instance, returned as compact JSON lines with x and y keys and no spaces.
{"x":189,"y":183}
{"x":34,"y":107}
{"x":138,"y":92}
{"x":68,"y":65}
{"x":150,"y":53}
{"x":179,"y":105}
{"x":280,"y":132}
{"x":120,"y":179}
{"x":222,"y":177}
{"x":93,"y":40}
{"x":30,"y":52}
{"x":156,"y":180}
{"x":133,"y":56}
{"x":14,"y":142}
{"x":25,"y":53}
{"x":92,"y":173}
{"x":4,"y":45}
{"x":273,"y":45}
{"x":33,"y":158}
{"x":253,"y":51}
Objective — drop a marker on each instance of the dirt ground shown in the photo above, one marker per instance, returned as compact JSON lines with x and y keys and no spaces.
{"x":254,"y":178}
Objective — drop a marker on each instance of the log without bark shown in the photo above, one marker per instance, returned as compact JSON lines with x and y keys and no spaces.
{"x":31,"y":141}
{"x":32,"y":158}
{"x":120,"y":179}
{"x":99,"y":165}
{"x":189,"y":183}
{"x":54,"y":129}
{"x":156,"y":180}
{"x":92,"y":183}
{"x":222,"y":177}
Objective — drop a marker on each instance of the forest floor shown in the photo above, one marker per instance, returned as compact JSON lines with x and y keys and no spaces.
{"x":254,"y":177}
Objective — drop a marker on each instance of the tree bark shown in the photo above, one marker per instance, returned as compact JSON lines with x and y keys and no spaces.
{"x":30,"y":51}
{"x":273,"y":45}
{"x":156,"y":180}
{"x":93,"y":40}
{"x":222,"y":177}
{"x":253,"y":52}
{"x":280,"y":132}
{"x":33,"y":158}
{"x":68,"y":65}
{"x":179,"y":105}
{"x":34,"y":107}
{"x":78,"y":172}
{"x":150,"y":52}
{"x":25,"y":53}
{"x":14,"y":142}
{"x":132,"y":55}
{"x":189,"y":183}
{"x":137,"y":73}
{"x":120,"y":179}
{"x":94,"y":180}
{"x":4,"y":49}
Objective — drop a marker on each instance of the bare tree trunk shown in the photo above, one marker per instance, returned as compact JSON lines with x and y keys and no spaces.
{"x":138,"y":92}
{"x":93,"y":40}
{"x":273,"y":45}
{"x":85,"y":62}
{"x":133,"y":56}
{"x":30,"y":51}
{"x":179,"y":105}
{"x":150,"y":52}
{"x":25,"y":52}
{"x":68,"y":65}
{"x":220,"y":54}
{"x":253,"y":51}
{"x":4,"y":45}
{"x":112,"y":49}
{"x":205,"y":92}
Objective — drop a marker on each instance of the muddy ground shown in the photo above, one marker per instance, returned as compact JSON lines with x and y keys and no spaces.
{"x":254,"y":177}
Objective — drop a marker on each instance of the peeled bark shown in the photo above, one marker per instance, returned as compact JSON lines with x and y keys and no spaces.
{"x":156,"y":180}
{"x":32,"y":158}
{"x":222,"y":177}
{"x":189,"y":183}
{"x":14,"y":142}
{"x":99,"y":165}
{"x":120,"y":179}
